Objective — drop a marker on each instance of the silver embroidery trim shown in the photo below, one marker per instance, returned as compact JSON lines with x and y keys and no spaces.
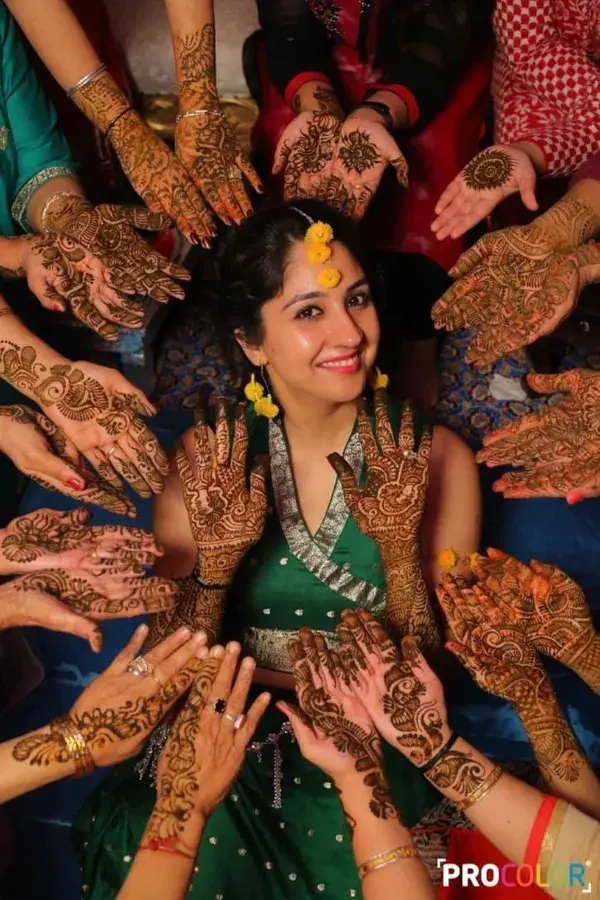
{"x":269,"y":646}
{"x":304,"y":547}
{"x":21,"y":201}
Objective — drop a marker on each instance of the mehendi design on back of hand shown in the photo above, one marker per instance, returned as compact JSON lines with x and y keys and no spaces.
{"x":389,"y":509}
{"x":177,"y":781}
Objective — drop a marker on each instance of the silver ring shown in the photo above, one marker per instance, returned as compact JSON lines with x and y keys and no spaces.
{"x":239,"y":721}
{"x":140,"y":667}
{"x":409,"y":454}
{"x":230,"y":718}
{"x":110,"y":450}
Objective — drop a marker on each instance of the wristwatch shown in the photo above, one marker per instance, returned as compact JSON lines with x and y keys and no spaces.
{"x":381,"y":108}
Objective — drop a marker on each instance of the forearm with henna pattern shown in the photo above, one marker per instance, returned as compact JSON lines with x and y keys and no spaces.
{"x":460,"y":771}
{"x":574,"y":219}
{"x":587,"y":664}
{"x":408,"y":608}
{"x":198,"y":608}
{"x":101,"y":101}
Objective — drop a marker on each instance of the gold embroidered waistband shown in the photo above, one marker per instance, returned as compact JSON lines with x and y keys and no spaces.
{"x":269,"y":646}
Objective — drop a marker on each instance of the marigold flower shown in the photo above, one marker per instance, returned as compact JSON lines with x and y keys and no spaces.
{"x":319,"y":233}
{"x":329,"y":278}
{"x":318,"y":253}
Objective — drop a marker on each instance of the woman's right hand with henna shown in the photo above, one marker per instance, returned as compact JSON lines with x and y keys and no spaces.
{"x":401,"y":694}
{"x":305,"y":154}
{"x":548,"y":605}
{"x":494,"y":649}
{"x":205,"y":749}
{"x":226,"y":513}
{"x":41,"y":451}
{"x":161,"y":179}
{"x":102,"y":414}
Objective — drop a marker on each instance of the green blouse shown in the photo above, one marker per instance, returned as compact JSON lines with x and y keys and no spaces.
{"x":280,"y":833}
{"x":32,"y":148}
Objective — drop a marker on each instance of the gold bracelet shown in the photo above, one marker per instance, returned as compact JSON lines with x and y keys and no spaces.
{"x":385,"y":859}
{"x":48,"y":204}
{"x":192,"y":113}
{"x":480,"y":792}
{"x":75,"y":745}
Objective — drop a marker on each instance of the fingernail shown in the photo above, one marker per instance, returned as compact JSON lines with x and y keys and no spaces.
{"x":57,"y":307}
{"x":184,"y":632}
{"x":282,"y":707}
{"x":217,"y":651}
{"x":233,"y":647}
{"x":247,"y":663}
{"x":574,"y":497}
{"x":201,"y":635}
{"x":76,"y":483}
{"x":202,"y":652}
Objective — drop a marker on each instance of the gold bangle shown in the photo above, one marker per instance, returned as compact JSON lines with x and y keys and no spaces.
{"x":480,"y":792}
{"x":46,"y":207}
{"x":385,"y":859}
{"x":75,"y":745}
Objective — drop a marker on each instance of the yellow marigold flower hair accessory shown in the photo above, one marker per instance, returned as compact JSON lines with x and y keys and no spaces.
{"x":329,"y":278}
{"x":318,"y":233}
{"x":318,"y":237}
{"x":379,"y":379}
{"x":318,"y":253}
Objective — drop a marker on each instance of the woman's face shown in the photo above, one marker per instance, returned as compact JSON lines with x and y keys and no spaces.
{"x":320,"y":342}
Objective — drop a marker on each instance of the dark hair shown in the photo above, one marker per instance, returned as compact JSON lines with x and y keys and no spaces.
{"x":252,"y":261}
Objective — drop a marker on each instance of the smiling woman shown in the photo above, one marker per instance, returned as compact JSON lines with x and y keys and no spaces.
{"x":258,"y":562}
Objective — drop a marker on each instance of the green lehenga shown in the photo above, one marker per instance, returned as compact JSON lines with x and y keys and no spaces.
{"x":281,"y":832}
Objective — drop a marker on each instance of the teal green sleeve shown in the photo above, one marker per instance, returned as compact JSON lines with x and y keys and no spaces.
{"x":42,"y":151}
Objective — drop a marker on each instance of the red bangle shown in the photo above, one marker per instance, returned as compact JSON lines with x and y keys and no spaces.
{"x":299,"y":81}
{"x":540,"y":826}
{"x":166,"y":845}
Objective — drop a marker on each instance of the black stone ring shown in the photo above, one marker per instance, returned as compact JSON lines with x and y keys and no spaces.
{"x":220,"y":706}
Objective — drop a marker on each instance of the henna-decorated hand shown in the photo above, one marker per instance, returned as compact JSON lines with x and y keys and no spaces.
{"x":49,"y":539}
{"x":100,"y":412}
{"x":548,"y":605}
{"x":484,"y":182}
{"x":389,"y":508}
{"x":558,"y":447}
{"x":205,"y":752}
{"x":118,"y":710}
{"x":500,"y":658}
{"x":226,"y":515}
{"x":305,"y":154}
{"x":109,"y":593}
{"x":62,"y":274}
{"x":512,"y":289}
{"x":210,"y":151}
{"x":493,"y":648}
{"x":364,"y":150}
{"x":42,"y":452}
{"x":332,"y":727}
{"x":401,"y":694}
{"x":160,"y":179}
{"x":132,"y":265}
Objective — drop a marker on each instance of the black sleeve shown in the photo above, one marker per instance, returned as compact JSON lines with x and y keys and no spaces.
{"x":429,"y":50}
{"x":295,"y":40}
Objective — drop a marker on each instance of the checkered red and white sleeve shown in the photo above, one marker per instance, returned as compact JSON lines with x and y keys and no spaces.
{"x":546,"y":88}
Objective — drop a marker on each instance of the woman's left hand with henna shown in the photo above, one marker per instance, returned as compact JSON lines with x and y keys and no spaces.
{"x":50,"y":539}
{"x":207,"y":744}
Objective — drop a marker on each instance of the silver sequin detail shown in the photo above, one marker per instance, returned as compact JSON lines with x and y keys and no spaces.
{"x":272,"y":740}
{"x":315,"y":552}
{"x":269,"y":646}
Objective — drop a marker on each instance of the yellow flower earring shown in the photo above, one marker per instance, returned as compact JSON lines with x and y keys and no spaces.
{"x":379,"y":379}
{"x":263,"y":406}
